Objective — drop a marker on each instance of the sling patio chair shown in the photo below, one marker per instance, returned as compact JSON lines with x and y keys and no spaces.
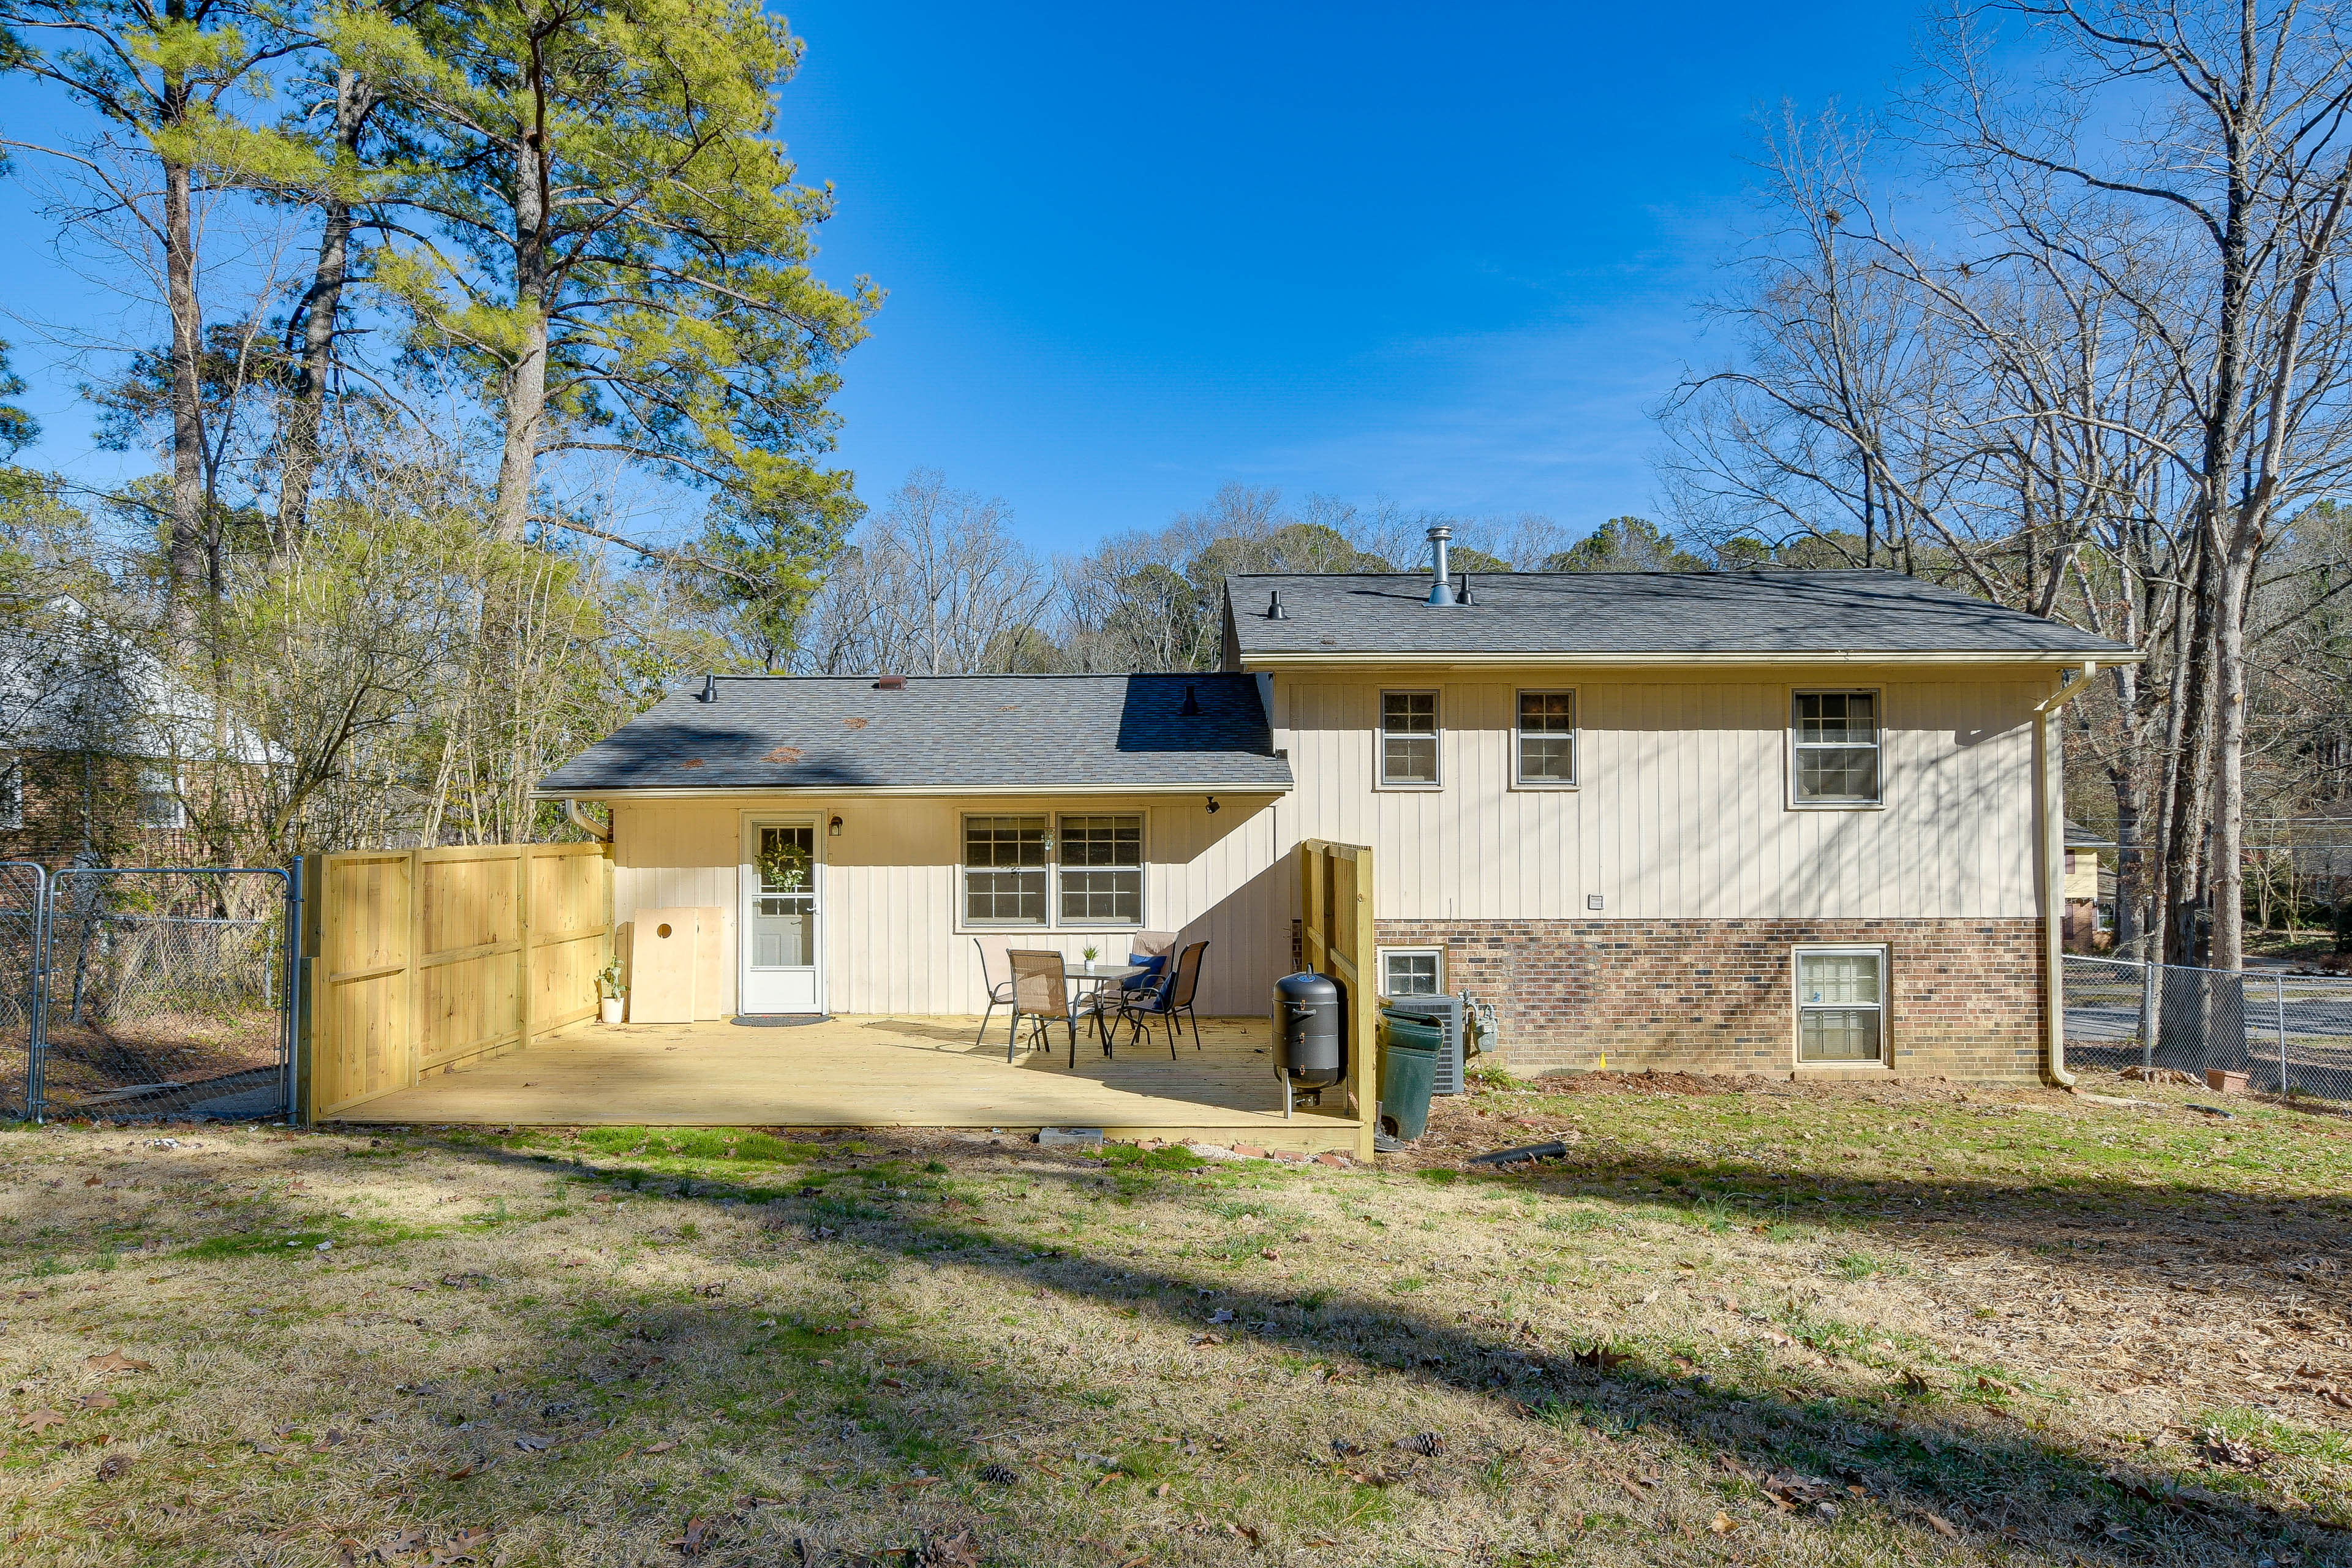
{"x":1041,"y":993}
{"x":996,"y":973}
{"x":1171,"y":998}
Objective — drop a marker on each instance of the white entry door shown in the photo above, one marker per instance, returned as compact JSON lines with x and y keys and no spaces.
{"x":782,"y":969}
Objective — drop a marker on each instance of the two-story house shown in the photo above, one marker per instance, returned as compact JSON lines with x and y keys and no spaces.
{"x":1785,"y":822}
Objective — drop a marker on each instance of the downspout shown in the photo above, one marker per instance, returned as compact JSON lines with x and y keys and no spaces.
{"x":2049,"y":779}
{"x":585,"y":823}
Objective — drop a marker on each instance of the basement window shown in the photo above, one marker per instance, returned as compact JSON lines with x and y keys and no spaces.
{"x":12,"y":793}
{"x":1842,"y":1005}
{"x":159,"y":804}
{"x":1413,"y":971}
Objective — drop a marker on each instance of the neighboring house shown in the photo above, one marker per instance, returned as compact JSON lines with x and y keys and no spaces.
{"x":1772,"y":822}
{"x":102,"y":750}
{"x":2089,"y":890}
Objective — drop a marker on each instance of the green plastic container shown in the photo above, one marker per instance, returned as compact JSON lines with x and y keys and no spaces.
{"x":1408,"y":1075}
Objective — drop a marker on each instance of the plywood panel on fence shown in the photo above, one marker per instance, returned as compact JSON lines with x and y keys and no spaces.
{"x":425,"y":958}
{"x":661,"y":966}
{"x":1335,"y":933}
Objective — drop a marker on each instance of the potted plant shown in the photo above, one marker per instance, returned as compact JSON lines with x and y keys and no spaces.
{"x":609,"y":992}
{"x":1089,"y":953}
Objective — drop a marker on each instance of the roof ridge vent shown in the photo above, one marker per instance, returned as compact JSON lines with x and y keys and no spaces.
{"x":890,"y":683}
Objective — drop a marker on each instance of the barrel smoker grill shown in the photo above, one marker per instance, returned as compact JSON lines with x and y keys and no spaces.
{"x":1310,"y":1054}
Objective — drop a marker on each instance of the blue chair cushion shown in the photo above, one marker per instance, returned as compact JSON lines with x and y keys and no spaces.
{"x":1149,"y":979}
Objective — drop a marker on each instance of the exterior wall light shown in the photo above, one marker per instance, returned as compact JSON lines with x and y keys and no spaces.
{"x":832,"y":829}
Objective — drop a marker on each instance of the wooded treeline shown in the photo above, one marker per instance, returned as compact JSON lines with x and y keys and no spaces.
{"x":449,"y":307}
{"x":489,"y":378}
{"x":2068,"y":325}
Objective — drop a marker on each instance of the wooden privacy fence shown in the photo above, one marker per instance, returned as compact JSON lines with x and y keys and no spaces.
{"x":420,"y":960}
{"x":1334,"y":934}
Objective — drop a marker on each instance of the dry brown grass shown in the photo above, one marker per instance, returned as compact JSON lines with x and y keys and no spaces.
{"x":2012,"y":1327}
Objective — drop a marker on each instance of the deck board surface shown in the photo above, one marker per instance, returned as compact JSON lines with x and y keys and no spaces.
{"x":871,"y":1072}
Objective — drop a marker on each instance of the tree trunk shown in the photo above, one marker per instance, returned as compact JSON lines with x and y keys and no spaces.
{"x":525,"y":391}
{"x":322,"y":306}
{"x":2229,"y":757}
{"x":185,"y":556}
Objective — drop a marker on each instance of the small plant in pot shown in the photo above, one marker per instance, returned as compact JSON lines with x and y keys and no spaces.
{"x":609,"y":992}
{"x":1090,"y":952}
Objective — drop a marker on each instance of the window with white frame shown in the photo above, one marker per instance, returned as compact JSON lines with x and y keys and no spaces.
{"x":12,"y":793}
{"x":1834,"y":744}
{"x":1101,"y":871}
{"x":159,"y":804}
{"x":1842,"y":1005}
{"x":1075,"y":871}
{"x":1547,"y":738}
{"x":1413,"y":971}
{"x":1004,"y":870}
{"x":1409,"y":738}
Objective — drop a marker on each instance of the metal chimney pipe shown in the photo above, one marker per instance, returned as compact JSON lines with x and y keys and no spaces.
{"x":1441,"y":584}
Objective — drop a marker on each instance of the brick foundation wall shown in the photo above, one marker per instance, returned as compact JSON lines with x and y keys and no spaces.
{"x":1715,"y":996}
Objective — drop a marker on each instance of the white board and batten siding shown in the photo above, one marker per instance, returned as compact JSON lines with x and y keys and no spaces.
{"x":1681,"y":809}
{"x":890,"y":891}
{"x":1681,"y":812}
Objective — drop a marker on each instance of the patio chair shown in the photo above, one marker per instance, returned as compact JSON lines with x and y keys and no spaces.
{"x":1173,"y":998}
{"x":994,"y":963}
{"x":1041,"y":993}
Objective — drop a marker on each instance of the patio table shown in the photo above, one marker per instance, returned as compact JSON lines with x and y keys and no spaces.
{"x":1074,"y":972}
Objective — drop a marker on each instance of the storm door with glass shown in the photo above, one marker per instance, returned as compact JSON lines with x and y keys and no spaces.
{"x":781,"y":970}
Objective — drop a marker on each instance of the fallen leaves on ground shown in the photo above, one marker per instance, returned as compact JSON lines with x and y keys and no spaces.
{"x":115,"y":1361}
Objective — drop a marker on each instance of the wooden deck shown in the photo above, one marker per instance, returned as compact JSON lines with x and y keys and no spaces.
{"x":875,"y":1072}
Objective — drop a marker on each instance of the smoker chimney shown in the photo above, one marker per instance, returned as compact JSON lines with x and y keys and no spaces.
{"x":1441,"y":581}
{"x":709,"y":688}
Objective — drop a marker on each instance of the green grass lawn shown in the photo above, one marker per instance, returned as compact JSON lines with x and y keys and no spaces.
{"x":1773,"y":1324}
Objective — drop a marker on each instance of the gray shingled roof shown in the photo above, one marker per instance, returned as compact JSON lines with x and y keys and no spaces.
{"x":943,"y":733}
{"x":1601,"y":612}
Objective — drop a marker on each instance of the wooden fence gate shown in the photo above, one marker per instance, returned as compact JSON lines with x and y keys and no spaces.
{"x":423,"y":960}
{"x":1334,"y":934}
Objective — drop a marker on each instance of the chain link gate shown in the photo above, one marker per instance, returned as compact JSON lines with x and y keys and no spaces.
{"x":163,"y":991}
{"x":23,"y":896}
{"x":2289,"y":1034}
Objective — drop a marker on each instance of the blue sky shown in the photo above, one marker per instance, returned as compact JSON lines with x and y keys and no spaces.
{"x":1444,"y":255}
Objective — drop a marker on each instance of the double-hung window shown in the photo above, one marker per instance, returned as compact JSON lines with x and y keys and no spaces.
{"x":1076,"y":870}
{"x":1409,"y":739}
{"x":1834,"y":749}
{"x":1101,"y":869}
{"x":1842,"y":1005}
{"x":1546,"y":740}
{"x":1004,"y":870}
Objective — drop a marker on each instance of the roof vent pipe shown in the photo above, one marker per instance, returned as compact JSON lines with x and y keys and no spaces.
{"x":710,"y":689}
{"x":1441,"y":581}
{"x":1273,"y":610}
{"x":1192,"y":708}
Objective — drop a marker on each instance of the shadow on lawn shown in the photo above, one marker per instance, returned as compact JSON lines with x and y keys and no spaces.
{"x":1916,"y":1455}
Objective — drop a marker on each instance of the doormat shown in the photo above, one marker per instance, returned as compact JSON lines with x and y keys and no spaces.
{"x":779,"y":1020}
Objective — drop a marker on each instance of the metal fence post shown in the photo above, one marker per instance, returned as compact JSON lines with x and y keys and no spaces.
{"x":37,"y":1037}
{"x":293,"y":990}
{"x":2279,"y":981}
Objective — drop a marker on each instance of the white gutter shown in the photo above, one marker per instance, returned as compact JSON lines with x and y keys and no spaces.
{"x":2049,"y":781}
{"x":936,"y":792}
{"x":1254,"y":660}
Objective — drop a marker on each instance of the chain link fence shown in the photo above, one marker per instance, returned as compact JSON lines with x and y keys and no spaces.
{"x":162,"y":992}
{"x":24,"y":888}
{"x":2288,"y":1034}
